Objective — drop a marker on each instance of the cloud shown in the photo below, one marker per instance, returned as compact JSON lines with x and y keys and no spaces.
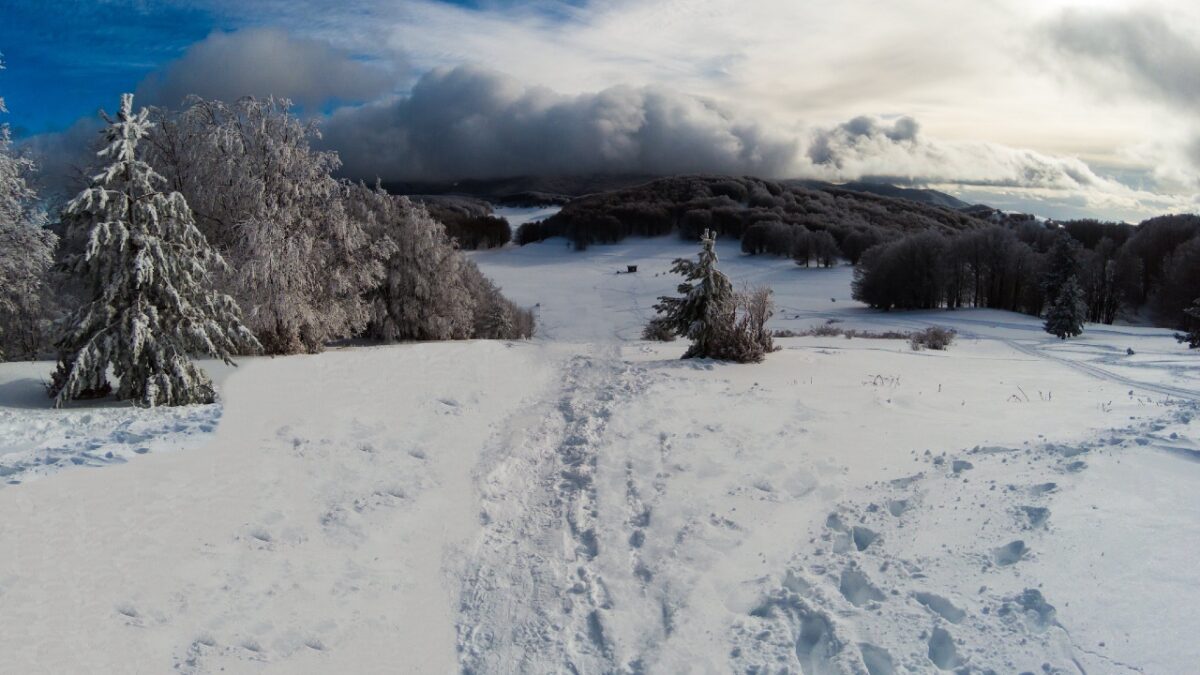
{"x":867,"y":147}
{"x":262,"y":62}
{"x":1139,"y":44}
{"x":1144,"y":53}
{"x":470,"y":122}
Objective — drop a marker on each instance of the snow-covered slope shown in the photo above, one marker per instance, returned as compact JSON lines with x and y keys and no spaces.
{"x":588,"y":502}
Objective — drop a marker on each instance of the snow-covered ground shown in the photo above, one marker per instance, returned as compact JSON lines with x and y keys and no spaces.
{"x":587,"y":502}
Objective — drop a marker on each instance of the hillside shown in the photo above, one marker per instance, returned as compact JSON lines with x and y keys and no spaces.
{"x":919,"y":195}
{"x":523,"y":190}
{"x":732,"y":206}
{"x":587,"y":502}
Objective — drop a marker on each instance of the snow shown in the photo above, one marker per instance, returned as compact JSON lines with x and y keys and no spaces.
{"x":587,"y":500}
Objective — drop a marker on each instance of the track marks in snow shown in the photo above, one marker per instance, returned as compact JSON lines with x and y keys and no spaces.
{"x":36,"y":443}
{"x":911,"y":599}
{"x":1099,"y":373}
{"x":533,"y":599}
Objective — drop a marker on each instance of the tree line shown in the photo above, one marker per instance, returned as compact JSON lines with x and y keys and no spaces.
{"x":910,"y":255}
{"x":218,"y":230}
{"x":1151,"y":270}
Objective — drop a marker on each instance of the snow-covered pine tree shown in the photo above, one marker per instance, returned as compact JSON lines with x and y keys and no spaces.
{"x":1065,"y":317}
{"x":1192,"y":337}
{"x":707,"y":309}
{"x":146,"y":267}
{"x":26,"y":246}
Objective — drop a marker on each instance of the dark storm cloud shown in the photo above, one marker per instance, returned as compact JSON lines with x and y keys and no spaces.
{"x":262,"y":62}
{"x":1141,"y":44}
{"x":473,"y":122}
{"x":827,"y":144}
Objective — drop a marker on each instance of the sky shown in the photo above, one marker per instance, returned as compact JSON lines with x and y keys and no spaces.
{"x":1057,"y":107}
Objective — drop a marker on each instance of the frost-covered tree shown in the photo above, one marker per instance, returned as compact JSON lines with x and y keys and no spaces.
{"x":720,"y":323}
{"x":496,"y":317}
{"x":146,"y":268}
{"x":301,"y":267}
{"x":26,"y":249}
{"x":423,"y":294}
{"x":1065,"y":317}
{"x":751,"y":341}
{"x":1192,"y":337}
{"x":706,"y":308}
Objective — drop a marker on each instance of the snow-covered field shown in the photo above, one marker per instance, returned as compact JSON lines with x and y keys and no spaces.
{"x":587,"y":502}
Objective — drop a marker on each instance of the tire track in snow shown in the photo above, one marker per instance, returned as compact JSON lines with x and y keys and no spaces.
{"x":1102,"y":374}
{"x":532,"y":600}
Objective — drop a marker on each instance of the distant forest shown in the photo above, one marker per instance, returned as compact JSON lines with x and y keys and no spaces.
{"x":908,"y":255}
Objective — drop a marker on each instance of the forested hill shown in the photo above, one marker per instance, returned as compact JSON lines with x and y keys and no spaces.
{"x":523,"y":190}
{"x":767,"y":213}
{"x":921,"y":195}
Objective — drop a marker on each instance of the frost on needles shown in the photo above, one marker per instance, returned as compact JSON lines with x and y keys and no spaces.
{"x":146,"y":269}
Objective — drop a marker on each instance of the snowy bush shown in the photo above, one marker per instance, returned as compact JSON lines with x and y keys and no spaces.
{"x":26,"y":253}
{"x":146,"y":269}
{"x":933,"y":337}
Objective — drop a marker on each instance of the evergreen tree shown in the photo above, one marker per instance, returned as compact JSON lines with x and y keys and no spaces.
{"x":1065,"y":317}
{"x":26,"y":247}
{"x":706,"y":312}
{"x":1192,"y":337}
{"x":1062,"y":265}
{"x":145,"y":266}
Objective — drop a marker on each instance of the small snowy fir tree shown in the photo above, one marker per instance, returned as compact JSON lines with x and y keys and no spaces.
{"x":26,"y":247}
{"x":1065,"y":316}
{"x":146,"y":267}
{"x":1192,"y":337}
{"x":707,"y":310}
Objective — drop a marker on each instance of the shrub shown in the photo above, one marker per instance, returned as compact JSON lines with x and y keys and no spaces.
{"x":934,"y":337}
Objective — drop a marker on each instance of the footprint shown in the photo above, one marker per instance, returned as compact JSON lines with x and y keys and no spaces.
{"x":856,"y":588}
{"x":1044,"y":488}
{"x":942,"y":651}
{"x":877,"y":659}
{"x":940,"y":606}
{"x":1011,"y":553}
{"x":1036,"y":515}
{"x":863,"y":537}
{"x":1035,"y":606}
